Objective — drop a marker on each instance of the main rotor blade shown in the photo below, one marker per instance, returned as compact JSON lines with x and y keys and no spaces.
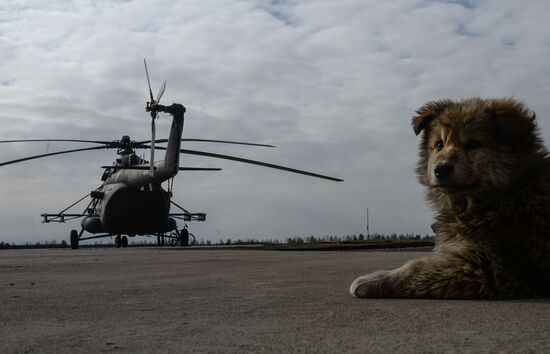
{"x":64,"y":140}
{"x":228,"y":142}
{"x":209,"y":141}
{"x":259,"y":163}
{"x":136,"y":144}
{"x":148,"y":81}
{"x":51,"y":154}
{"x":115,"y":167}
{"x":199,"y":169}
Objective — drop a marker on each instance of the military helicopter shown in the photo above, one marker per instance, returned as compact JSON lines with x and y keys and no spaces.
{"x":131,"y":200}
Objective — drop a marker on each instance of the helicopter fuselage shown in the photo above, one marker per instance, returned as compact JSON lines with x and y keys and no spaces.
{"x":131,"y":200}
{"x":125,"y":210}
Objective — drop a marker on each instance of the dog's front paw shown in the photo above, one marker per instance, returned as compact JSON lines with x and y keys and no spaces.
{"x":374,"y":285}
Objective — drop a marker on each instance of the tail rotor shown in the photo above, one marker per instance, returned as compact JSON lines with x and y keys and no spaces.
{"x":152,"y":107}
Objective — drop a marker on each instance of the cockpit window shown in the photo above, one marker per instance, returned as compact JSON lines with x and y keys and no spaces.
{"x":106,"y":174}
{"x":133,"y":160}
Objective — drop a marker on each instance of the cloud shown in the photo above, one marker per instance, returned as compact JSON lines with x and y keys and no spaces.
{"x":332,"y":84}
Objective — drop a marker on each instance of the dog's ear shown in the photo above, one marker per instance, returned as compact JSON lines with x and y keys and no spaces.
{"x":427,"y":113}
{"x":513,"y":123}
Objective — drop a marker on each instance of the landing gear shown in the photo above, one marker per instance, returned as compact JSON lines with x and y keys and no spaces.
{"x":190,"y":239}
{"x":184,"y":237}
{"x":74,"y":239}
{"x":121,"y":241}
{"x":160,"y":240}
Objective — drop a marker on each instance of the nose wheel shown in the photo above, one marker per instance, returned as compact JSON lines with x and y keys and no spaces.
{"x":121,"y":241}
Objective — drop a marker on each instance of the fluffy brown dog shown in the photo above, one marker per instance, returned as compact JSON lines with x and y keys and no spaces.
{"x":488,"y":176}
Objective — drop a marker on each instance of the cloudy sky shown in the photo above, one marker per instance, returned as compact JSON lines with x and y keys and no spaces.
{"x":333,"y":84}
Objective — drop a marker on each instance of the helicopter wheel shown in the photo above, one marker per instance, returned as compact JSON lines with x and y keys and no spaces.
{"x":118,"y":241}
{"x":160,"y":240}
{"x":124,"y":242}
{"x":74,"y":239}
{"x":184,"y":238}
{"x":191,"y":239}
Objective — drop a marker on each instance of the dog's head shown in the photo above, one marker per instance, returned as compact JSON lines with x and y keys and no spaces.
{"x":474,"y":146}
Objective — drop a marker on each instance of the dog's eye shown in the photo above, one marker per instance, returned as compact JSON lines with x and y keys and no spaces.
{"x":472,"y":144}
{"x":439,"y":145}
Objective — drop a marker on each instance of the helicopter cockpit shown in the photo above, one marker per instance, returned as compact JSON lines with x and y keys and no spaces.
{"x":130,"y":159}
{"x":127,"y":157}
{"x":127,"y":154}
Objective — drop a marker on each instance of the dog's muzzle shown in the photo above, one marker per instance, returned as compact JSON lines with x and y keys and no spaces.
{"x":443,"y":171}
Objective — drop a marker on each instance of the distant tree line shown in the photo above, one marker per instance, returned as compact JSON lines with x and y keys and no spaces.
{"x":297,"y":240}
{"x":324,"y":239}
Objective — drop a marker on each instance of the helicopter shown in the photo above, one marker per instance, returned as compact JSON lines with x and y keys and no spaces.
{"x":131,"y":200}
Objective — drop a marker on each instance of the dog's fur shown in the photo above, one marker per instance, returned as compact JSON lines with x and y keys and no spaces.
{"x":492,"y":197}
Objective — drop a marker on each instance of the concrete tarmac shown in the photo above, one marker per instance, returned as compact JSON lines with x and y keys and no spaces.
{"x":145,"y":300}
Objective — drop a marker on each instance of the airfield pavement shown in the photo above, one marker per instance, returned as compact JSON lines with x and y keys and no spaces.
{"x":239,"y":301}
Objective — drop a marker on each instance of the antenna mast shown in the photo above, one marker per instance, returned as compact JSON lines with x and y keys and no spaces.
{"x":368,"y":226}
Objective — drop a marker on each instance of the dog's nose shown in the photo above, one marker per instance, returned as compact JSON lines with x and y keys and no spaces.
{"x":443,"y":171}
